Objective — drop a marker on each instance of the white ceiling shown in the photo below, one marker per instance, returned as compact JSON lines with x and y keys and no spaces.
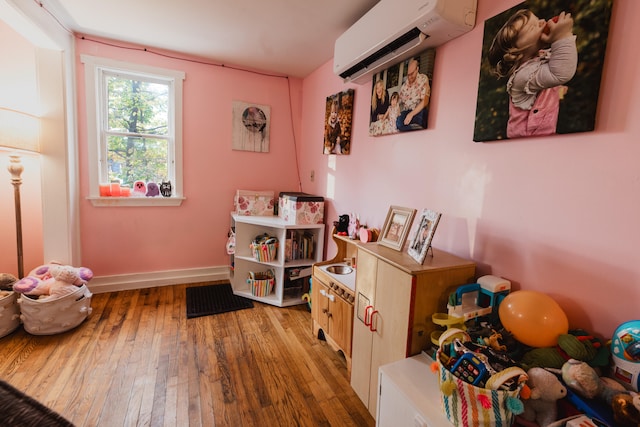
{"x":291,"y":37}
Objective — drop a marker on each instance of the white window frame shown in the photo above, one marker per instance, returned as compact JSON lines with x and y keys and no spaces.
{"x":94,"y":69}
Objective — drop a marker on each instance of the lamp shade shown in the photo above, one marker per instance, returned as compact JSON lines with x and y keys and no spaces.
{"x":19,"y":130}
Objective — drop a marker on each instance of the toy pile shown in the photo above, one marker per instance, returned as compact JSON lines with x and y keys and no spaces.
{"x":53,"y":298}
{"x":494,"y":335}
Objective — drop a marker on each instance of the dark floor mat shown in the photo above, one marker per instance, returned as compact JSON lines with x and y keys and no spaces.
{"x":213,"y":299}
{"x":18,"y":409}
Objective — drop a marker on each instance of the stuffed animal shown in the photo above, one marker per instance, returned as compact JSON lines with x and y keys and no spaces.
{"x":53,"y":281}
{"x":585,"y":381}
{"x":626,"y":409}
{"x":6,"y":282}
{"x":165,"y":188}
{"x":577,"y":344}
{"x":342,"y":225}
{"x":546,"y":390}
{"x":139,"y":189}
{"x":354,"y":226}
{"x":152,"y":190}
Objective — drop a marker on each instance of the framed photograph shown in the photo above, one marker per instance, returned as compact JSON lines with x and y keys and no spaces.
{"x":396,"y":227}
{"x":337,"y":123}
{"x":423,"y":236}
{"x":400,"y":96}
{"x":564,"y":98}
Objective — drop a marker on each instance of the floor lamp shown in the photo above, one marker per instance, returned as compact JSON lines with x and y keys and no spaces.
{"x":18,"y":132}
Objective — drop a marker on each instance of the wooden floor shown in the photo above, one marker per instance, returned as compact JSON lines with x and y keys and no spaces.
{"x":138,"y":361}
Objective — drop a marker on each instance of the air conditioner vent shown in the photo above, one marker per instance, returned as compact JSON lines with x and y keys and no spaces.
{"x":390,"y":33}
{"x":408,"y":38}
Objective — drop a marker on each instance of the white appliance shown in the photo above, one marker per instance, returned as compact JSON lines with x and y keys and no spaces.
{"x":393,"y":31}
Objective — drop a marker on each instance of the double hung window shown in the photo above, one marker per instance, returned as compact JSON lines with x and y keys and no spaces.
{"x":134,"y":124}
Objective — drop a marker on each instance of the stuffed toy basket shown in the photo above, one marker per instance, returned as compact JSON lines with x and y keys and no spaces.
{"x":9,"y":314}
{"x":465,"y":404}
{"x":53,"y":316}
{"x":264,"y":248}
{"x":261,"y":283}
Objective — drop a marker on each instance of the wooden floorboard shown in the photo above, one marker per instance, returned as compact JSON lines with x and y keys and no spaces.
{"x":138,"y":361}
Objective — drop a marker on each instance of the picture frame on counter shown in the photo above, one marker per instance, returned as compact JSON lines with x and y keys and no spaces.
{"x":423,"y":236}
{"x":396,"y":227}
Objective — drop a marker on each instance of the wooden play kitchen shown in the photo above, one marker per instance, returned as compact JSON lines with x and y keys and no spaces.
{"x":395,"y":298}
{"x":388,"y":311}
{"x":333,"y":295}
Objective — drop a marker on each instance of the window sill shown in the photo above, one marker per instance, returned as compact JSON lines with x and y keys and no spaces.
{"x":136,"y":201}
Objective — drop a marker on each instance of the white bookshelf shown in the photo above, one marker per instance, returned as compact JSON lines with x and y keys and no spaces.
{"x":246,"y":229}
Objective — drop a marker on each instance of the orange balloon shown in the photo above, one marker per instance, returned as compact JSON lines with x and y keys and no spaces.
{"x":533,"y":318}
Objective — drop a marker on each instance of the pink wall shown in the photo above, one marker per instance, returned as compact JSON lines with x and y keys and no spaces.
{"x":556,"y":214}
{"x":145,"y":239}
{"x":18,"y":91}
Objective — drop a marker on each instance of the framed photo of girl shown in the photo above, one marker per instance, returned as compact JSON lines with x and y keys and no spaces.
{"x":541,"y":68}
{"x":400,"y":96}
{"x":421,"y":240}
{"x":337,"y":123}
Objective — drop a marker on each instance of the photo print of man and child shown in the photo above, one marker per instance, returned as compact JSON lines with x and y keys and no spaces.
{"x":400,"y":96}
{"x":541,"y":69}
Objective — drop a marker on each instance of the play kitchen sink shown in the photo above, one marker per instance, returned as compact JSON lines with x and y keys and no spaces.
{"x":339,"y":269}
{"x":341,"y":273}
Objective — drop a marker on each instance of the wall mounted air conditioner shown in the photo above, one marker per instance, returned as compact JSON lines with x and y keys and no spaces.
{"x":393,"y":31}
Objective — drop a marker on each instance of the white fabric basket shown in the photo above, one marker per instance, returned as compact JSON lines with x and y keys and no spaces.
{"x":53,"y":316}
{"x":9,"y":314}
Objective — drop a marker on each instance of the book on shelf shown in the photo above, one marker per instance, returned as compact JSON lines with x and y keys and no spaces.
{"x":299,"y":244}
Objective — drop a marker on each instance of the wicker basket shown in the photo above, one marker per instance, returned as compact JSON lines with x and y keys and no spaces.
{"x":265,"y":252}
{"x":261,"y":283}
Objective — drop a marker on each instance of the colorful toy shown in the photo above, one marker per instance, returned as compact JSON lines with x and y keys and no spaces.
{"x":479,"y":299}
{"x":625,"y":352}
{"x":165,"y":188}
{"x":307,"y":296}
{"x":448,"y":321}
{"x":152,"y":190}
{"x":139,"y":189}
{"x":546,"y":390}
{"x":53,"y":281}
{"x":493,"y":341}
{"x":533,"y":318}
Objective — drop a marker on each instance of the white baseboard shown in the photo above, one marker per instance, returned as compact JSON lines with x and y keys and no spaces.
{"x":125,"y":282}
